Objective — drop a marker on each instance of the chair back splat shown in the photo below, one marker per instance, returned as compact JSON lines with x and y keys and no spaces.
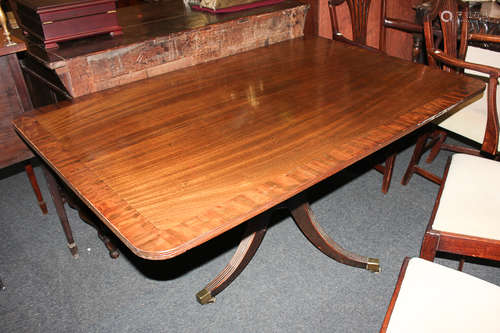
{"x":358,"y":10}
{"x":447,"y":14}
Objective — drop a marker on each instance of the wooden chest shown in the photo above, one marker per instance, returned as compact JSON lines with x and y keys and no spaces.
{"x":53,"y":21}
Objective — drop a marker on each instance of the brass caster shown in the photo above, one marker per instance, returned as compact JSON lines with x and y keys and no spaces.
{"x":74,"y":250}
{"x":204,"y":297}
{"x":373,"y":265}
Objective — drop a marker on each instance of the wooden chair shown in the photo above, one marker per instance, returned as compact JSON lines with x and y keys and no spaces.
{"x":432,"y":298}
{"x":359,"y":10}
{"x":476,"y":120}
{"x":28,"y":167}
{"x":465,"y":218}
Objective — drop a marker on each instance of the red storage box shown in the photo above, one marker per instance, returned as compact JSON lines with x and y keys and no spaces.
{"x":53,"y":21}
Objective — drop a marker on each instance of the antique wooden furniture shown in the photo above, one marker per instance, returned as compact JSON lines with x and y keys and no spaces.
{"x":398,"y":24}
{"x":486,"y":25}
{"x":158,"y":37}
{"x":465,"y":219}
{"x":53,"y":21}
{"x":477,"y":121}
{"x":432,"y":298}
{"x":476,"y":19}
{"x":359,"y":10}
{"x":14,"y":100}
{"x":399,"y":13}
{"x":173,"y":161}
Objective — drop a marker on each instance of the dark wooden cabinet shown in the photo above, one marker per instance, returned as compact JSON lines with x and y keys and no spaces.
{"x":14,"y":100}
{"x":53,"y":21}
{"x":43,"y":83}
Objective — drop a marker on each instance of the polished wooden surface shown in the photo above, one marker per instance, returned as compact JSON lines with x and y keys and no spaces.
{"x":5,"y":49}
{"x":173,"y":161}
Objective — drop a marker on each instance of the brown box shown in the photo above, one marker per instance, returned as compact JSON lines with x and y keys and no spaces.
{"x":53,"y":21}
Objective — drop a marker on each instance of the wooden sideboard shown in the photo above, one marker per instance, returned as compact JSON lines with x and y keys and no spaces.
{"x":158,"y":37}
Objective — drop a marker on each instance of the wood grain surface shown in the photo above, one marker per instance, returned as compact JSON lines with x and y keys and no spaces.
{"x":173,"y":161}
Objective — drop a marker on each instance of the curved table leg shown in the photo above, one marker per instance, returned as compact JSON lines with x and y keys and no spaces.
{"x":252,"y":237}
{"x":59,"y":204}
{"x":306,"y":221}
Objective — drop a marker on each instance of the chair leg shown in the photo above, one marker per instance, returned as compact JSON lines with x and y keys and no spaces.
{"x":461,"y":264}
{"x":415,"y":158}
{"x":34,"y":184}
{"x":436,"y":148}
{"x":389,"y":167}
{"x":429,"y":246}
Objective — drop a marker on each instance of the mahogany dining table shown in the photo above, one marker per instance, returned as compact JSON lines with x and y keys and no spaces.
{"x":173,"y":161}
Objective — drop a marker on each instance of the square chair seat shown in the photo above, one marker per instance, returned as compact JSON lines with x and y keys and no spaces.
{"x":470,"y":198}
{"x":434,"y":298}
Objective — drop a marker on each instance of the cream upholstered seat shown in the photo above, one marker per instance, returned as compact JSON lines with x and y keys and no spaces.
{"x":434,"y":298}
{"x":470,"y":120}
{"x":469,"y":205}
{"x":465,"y":219}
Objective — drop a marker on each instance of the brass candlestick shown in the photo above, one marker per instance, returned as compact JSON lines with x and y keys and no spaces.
{"x":3,"y":20}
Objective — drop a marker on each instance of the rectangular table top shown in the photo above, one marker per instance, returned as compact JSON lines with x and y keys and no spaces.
{"x":173,"y":161}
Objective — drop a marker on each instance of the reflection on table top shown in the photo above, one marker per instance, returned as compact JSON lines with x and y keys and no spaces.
{"x":168,"y":164}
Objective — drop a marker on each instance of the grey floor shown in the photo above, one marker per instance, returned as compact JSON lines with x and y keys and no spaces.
{"x":288,"y":287}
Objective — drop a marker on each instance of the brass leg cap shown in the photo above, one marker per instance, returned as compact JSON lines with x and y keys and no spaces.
{"x":204,"y":297}
{"x":73,"y":249}
{"x":373,"y":265}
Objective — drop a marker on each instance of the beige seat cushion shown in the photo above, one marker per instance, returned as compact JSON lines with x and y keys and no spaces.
{"x":434,"y":298}
{"x":471,"y":198}
{"x":469,"y":120}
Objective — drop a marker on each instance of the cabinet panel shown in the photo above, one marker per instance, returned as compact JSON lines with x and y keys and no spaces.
{"x":11,"y":104}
